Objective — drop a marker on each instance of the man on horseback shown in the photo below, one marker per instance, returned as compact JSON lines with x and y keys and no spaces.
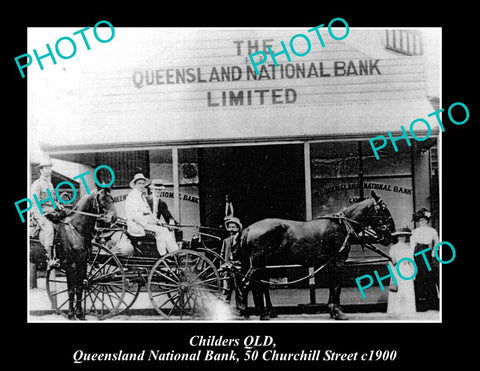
{"x":48,"y":213}
{"x":140,"y":217}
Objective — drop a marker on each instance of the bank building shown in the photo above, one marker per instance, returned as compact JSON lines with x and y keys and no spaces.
{"x":184,"y":105}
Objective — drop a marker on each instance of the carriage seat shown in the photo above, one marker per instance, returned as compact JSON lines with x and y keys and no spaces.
{"x":143,"y":245}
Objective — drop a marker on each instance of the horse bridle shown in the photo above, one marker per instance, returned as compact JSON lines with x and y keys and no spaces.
{"x":349,"y":226}
{"x":96,"y":205}
{"x":380,"y":205}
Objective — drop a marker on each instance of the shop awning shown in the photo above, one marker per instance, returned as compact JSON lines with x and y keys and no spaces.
{"x":333,"y":121}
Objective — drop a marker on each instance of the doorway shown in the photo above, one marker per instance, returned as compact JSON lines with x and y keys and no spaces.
{"x":265,"y":181}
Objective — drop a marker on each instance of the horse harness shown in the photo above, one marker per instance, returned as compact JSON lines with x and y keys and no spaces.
{"x":64,"y":220}
{"x":341,"y":219}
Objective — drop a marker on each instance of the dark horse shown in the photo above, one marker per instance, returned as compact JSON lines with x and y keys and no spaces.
{"x":325,"y":240}
{"x":74,"y":236}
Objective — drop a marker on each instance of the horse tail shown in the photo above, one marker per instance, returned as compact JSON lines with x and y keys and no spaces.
{"x":244,"y":239}
{"x":245,"y":250}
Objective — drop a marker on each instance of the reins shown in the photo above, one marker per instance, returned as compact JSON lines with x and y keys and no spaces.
{"x":87,"y":214}
{"x":250,"y":271}
{"x":347,"y":222}
{"x":180,"y":227}
{"x":96,"y":205}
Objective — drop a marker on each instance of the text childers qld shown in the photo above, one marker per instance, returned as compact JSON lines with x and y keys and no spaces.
{"x":294,"y":46}
{"x":63,"y":49}
{"x":59,"y":199}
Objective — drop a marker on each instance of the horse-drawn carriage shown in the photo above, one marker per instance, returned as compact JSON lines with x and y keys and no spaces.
{"x":179,"y":284}
{"x":93,"y":280}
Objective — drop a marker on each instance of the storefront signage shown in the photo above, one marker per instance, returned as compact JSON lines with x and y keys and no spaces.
{"x":163,"y":194}
{"x":199,"y":75}
{"x":293,"y":49}
{"x":366,"y":185}
{"x":217,"y":98}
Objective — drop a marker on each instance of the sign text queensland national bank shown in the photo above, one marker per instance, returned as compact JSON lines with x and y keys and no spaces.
{"x":233,"y":73}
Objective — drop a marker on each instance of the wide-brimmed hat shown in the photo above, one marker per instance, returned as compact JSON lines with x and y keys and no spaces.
{"x":402,"y":232}
{"x":233,"y":220}
{"x":137,"y":177}
{"x":44,"y":162}
{"x":422,"y":213}
{"x":157,"y":184}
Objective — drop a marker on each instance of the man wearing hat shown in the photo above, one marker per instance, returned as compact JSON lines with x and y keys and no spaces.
{"x":158,"y":206}
{"x":39,"y":189}
{"x":229,"y":250}
{"x":426,"y":281}
{"x":141,"y":218}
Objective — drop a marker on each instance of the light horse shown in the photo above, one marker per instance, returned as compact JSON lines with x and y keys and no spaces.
{"x":73,"y":243}
{"x":324,"y":241}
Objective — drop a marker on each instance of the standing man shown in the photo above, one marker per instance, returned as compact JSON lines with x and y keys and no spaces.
{"x":160,"y":207}
{"x":42,"y":189}
{"x":229,"y":251}
{"x":141,"y":218}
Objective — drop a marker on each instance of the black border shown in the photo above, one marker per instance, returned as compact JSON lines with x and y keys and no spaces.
{"x":417,"y":344}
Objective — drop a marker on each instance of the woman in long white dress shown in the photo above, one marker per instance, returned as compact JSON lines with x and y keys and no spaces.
{"x":401,"y":297}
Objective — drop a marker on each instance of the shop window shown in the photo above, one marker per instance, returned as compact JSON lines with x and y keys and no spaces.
{"x":391,"y":178}
{"x":391,"y":162}
{"x":335,"y":171}
{"x":161,"y":165}
{"x":124,"y":164}
{"x":331,"y":160}
{"x":189,"y":194}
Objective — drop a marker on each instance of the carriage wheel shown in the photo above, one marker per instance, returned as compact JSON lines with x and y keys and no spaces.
{"x":215,"y":257}
{"x":184,"y":283}
{"x":104,"y":285}
{"x":134,"y":282}
{"x":217,"y":261}
{"x":57,"y":290}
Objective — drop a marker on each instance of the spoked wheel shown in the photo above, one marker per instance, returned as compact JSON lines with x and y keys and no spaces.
{"x":134,"y":282}
{"x":103,"y":288}
{"x":57,"y":290}
{"x":184,"y":283}
{"x":217,"y":261}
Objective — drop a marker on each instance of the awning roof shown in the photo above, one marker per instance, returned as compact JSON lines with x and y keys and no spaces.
{"x":359,"y":121}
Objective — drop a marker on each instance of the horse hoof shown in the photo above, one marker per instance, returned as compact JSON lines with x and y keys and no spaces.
{"x":273,"y":315}
{"x":264,"y":317}
{"x":80,"y":316}
{"x":71,"y":316}
{"x":339,"y":316}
